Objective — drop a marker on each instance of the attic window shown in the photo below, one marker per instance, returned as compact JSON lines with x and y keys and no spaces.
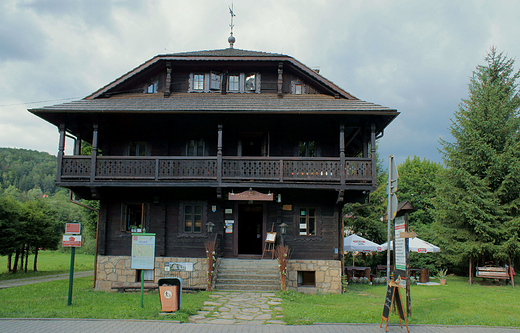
{"x":215,"y":81}
{"x":152,"y":88}
{"x":251,"y":82}
{"x":233,"y":83}
{"x":298,"y":89}
{"x":198,"y":82}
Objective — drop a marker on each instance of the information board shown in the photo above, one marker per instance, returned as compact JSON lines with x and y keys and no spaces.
{"x":71,"y":241}
{"x":399,"y":243}
{"x":143,"y":251}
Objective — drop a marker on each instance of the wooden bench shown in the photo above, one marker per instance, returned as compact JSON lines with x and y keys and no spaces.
{"x":493,"y":272}
{"x":127,"y":287}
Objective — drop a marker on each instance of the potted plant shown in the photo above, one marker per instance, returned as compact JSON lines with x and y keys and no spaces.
{"x":442,"y":276}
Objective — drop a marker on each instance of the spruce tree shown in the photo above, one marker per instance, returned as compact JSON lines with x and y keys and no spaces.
{"x":478,"y":200}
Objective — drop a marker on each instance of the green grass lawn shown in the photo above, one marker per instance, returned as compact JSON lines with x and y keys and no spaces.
{"x":49,"y":300}
{"x":457,"y":303}
{"x":49,"y":262}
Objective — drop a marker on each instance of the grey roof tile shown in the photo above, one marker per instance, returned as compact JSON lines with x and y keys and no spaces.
{"x":218,"y":103}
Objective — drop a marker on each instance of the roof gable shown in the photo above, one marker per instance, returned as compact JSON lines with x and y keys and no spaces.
{"x":226,"y":55}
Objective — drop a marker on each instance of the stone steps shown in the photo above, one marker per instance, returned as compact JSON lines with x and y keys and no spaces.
{"x":248,"y":275}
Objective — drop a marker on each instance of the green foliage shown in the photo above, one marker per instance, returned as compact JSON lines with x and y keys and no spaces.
{"x":478,"y":200}
{"x":417,"y":185}
{"x":365,"y":219}
{"x":454,"y":304}
{"x":10,"y":213}
{"x":27,"y":169}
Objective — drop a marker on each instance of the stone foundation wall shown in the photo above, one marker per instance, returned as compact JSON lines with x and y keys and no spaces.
{"x":116,"y":271}
{"x":327,"y":275}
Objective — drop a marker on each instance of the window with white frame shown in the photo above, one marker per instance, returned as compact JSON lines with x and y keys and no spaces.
{"x":234,"y":83}
{"x":251,"y":82}
{"x":215,"y":81}
{"x":198,"y":82}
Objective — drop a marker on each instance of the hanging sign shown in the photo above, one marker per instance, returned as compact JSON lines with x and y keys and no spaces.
{"x":250,"y":195}
{"x":143,"y":251}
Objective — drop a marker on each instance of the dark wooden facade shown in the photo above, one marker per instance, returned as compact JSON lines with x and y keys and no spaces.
{"x":166,"y":142}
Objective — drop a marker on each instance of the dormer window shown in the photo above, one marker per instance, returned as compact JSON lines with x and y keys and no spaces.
{"x":251,"y":82}
{"x":198,"y":82}
{"x":298,"y":89}
{"x":215,"y":81}
{"x":233,"y":83}
{"x":152,"y":88}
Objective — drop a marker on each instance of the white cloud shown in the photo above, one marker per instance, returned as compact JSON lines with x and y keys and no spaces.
{"x":409,"y":55}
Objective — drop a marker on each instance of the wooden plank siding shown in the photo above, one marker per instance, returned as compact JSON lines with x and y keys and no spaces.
{"x":163,"y":218}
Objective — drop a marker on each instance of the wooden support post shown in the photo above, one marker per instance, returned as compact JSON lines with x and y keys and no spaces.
{"x":94,"y":153}
{"x":219,"y":155}
{"x":342,"y":152}
{"x":167,"y":88}
{"x":77,"y":145}
{"x":280,"y":79}
{"x":61,"y":152}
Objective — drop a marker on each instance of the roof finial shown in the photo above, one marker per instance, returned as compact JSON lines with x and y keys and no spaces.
{"x":231,"y":39}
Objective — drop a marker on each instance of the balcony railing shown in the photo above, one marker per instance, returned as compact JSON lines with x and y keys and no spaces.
{"x":232,"y":169}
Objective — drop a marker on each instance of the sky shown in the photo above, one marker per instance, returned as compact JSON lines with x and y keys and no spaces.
{"x":413,"y":56}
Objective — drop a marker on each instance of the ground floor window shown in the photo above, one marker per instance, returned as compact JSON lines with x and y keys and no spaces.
{"x":306,"y":279}
{"x":132,"y":217}
{"x":307,"y":221}
{"x":193,"y":217}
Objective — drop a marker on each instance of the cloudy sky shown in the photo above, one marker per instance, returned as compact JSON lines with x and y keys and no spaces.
{"x":415,"y":56}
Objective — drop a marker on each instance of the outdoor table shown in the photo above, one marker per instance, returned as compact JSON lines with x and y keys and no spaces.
{"x":358,"y":271}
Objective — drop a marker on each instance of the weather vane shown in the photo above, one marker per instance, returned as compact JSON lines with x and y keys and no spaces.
{"x":231,"y":39}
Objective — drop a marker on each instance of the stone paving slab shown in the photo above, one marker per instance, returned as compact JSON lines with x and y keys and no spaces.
{"x":160,"y":326}
{"x":231,"y":307}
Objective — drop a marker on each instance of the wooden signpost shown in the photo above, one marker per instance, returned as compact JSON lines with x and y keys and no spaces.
{"x":393,"y":296}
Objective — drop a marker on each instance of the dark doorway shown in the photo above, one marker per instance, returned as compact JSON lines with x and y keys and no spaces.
{"x":250,"y":221}
{"x":252,"y":144}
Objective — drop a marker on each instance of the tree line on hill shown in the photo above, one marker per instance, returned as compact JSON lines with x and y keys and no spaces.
{"x":470,"y":206}
{"x":33,"y":211}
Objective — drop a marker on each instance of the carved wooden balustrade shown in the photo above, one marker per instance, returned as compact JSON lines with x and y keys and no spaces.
{"x":234,"y":169}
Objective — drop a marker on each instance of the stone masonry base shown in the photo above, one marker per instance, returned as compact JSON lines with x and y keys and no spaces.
{"x":327,"y":274}
{"x":113,"y":271}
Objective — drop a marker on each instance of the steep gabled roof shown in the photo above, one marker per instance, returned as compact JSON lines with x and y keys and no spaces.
{"x":229,"y":55}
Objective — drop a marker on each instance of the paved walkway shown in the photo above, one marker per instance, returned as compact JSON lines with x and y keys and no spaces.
{"x":158,"y":326}
{"x":252,"y":308}
{"x":38,"y":279}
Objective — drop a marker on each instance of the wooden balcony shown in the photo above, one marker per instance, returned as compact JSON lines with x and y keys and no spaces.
{"x":216,"y":171}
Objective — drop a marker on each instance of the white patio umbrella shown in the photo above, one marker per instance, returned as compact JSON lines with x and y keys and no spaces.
{"x":355,"y":243}
{"x":417,"y":245}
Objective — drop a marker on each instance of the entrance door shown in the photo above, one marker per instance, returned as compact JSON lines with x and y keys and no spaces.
{"x":250,"y":228}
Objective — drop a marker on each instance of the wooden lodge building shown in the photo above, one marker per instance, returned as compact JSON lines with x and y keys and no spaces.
{"x":245,"y":140}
